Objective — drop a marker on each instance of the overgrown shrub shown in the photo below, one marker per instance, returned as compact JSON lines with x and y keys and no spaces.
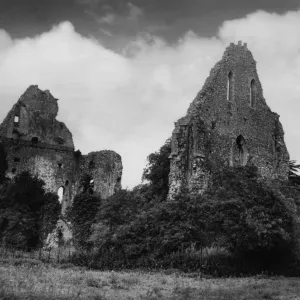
{"x":251,"y":220}
{"x":82,"y":215}
{"x":157,"y":171}
{"x":27,"y":213}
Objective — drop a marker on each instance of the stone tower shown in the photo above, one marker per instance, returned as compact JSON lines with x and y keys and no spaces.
{"x":35,"y":141}
{"x":228,"y":123}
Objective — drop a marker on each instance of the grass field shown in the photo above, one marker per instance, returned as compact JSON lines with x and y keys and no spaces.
{"x":31,"y":279}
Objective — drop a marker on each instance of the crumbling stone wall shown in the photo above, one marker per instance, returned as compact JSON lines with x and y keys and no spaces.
{"x":228,"y":123}
{"x":35,"y":141}
{"x":106,"y":166}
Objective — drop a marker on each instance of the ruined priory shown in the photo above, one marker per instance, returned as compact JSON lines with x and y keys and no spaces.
{"x":228,"y":123}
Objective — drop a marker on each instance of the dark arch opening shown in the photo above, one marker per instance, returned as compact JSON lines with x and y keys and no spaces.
{"x":240,"y":141}
{"x":243,"y":152}
{"x":252,"y":93}
{"x":34,"y":140}
{"x":230,"y":86}
{"x":91,"y":187}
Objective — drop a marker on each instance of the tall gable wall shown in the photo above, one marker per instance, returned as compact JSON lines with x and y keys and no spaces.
{"x":228,"y":123}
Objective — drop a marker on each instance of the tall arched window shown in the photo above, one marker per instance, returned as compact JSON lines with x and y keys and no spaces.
{"x":243,"y":152}
{"x":252,"y":93}
{"x":230,"y":86}
{"x":60,"y":193}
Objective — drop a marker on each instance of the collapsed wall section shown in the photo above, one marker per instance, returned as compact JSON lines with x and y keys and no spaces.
{"x":36,"y":142}
{"x":105,"y":169}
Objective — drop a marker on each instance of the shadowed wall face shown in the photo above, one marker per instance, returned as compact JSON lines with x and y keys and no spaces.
{"x":228,"y":123}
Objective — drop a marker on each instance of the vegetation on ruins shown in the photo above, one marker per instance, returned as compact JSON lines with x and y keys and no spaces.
{"x":27,"y":212}
{"x":82,"y":213}
{"x":241,"y":224}
{"x":294,"y":168}
{"x":158,"y":169}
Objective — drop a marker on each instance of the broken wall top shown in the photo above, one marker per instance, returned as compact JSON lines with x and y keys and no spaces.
{"x":33,"y":118}
{"x":238,"y":60}
{"x":231,"y":105}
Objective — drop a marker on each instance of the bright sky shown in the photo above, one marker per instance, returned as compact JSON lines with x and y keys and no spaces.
{"x":124,"y":72}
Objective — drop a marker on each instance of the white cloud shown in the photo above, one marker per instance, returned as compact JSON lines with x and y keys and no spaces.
{"x":129,"y":102}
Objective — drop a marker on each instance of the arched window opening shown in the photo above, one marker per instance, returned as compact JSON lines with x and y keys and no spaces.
{"x":60,"y":194}
{"x":92,"y":183}
{"x":16,"y":120}
{"x":34,"y":140}
{"x":230,"y":86}
{"x":243,"y":153}
{"x":91,"y":186}
{"x":252,"y":93}
{"x":67,"y":183}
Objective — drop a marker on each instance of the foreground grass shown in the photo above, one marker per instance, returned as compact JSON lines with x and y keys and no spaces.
{"x":30,"y":279}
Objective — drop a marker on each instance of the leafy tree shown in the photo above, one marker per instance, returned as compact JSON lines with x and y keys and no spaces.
{"x":27,"y":212}
{"x":238,"y":212}
{"x":116,"y":211}
{"x":49,"y":214}
{"x":249,"y":217}
{"x":86,"y":184}
{"x":158,"y":169}
{"x":82,"y":215}
{"x":165,"y":228}
{"x":294,"y":168}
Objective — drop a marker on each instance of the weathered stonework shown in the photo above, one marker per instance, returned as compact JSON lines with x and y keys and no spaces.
{"x":228,"y":123}
{"x":35,"y":141}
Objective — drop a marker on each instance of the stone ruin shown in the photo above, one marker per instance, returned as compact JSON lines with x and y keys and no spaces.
{"x":36,"y":142}
{"x":228,"y":123}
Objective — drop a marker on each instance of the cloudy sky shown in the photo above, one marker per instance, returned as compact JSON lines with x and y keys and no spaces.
{"x":124,"y":72}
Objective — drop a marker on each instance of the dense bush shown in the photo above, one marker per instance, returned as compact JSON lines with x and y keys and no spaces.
{"x":294,"y":177}
{"x":253,"y":221}
{"x":82,"y":213}
{"x":27,"y":213}
{"x":157,"y":171}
